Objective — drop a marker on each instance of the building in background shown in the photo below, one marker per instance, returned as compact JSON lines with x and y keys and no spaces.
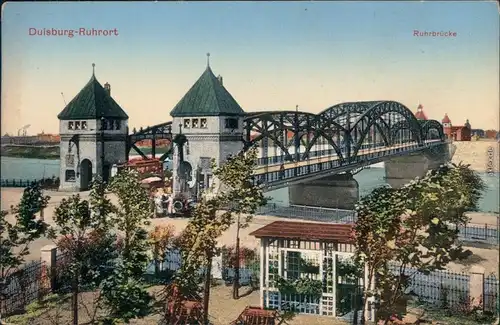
{"x":480,"y":133}
{"x":491,"y":134}
{"x":456,"y":133}
{"x":420,"y":114}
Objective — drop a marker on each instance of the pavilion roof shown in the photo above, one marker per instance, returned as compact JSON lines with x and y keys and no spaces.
{"x":329,"y":232}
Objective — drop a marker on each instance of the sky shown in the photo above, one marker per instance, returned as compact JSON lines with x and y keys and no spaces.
{"x":272,"y":56}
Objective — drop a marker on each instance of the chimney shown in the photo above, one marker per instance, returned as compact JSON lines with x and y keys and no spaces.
{"x":107,"y":86}
{"x":219,"y":77}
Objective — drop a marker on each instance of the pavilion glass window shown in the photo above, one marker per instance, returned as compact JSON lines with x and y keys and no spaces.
{"x":187,"y":123}
{"x":84,"y":125}
{"x":203,"y":123}
{"x":195,"y":123}
{"x":118,"y":125}
{"x":71,"y":125}
{"x":77,"y":125}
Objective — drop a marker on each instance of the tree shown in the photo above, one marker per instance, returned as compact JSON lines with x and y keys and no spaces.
{"x":15,"y":238}
{"x":124,"y":291}
{"x":244,"y":196}
{"x":211,"y":218}
{"x":85,"y":240}
{"x":161,"y":239}
{"x":417,"y":226}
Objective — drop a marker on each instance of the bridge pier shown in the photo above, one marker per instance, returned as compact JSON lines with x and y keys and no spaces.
{"x":340,"y":191}
{"x":402,"y":170}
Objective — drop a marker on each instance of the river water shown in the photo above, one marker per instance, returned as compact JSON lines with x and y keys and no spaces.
{"x":368,"y":179}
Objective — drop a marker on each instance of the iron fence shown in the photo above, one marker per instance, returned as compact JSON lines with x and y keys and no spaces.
{"x":48,"y":183}
{"x":445,"y":289}
{"x":471,"y":232}
{"x":476,"y":232}
{"x":22,"y":287}
{"x":308,"y":213}
{"x":490,"y":293}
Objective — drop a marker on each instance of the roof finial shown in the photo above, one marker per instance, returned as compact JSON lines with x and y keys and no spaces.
{"x":208,"y":60}
{"x":93,"y":69}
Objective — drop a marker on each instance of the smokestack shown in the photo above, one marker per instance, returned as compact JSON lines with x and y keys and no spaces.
{"x":219,"y":77}
{"x":107,"y":86}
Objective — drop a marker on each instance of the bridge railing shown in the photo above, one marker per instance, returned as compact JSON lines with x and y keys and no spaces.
{"x":279,"y":159}
{"x":266,"y":178}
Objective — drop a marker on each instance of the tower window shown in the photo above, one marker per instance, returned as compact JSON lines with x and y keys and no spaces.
{"x":104,"y":124}
{"x":195,"y":123}
{"x":231,"y":123}
{"x":203,"y":123}
{"x":118,"y":125}
{"x":77,"y":125}
{"x":84,"y":125}
{"x":71,"y":125}
{"x":187,"y":123}
{"x":70,"y":175}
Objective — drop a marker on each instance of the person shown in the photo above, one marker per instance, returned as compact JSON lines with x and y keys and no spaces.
{"x":170,"y":204}
{"x":159,"y":203}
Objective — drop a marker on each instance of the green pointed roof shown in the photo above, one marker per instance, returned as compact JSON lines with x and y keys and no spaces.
{"x":92,"y":102}
{"x":207,"y":97}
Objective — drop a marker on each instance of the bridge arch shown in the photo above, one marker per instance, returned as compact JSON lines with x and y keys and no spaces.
{"x":381,"y":109}
{"x":348,"y":110}
{"x":432,"y":130}
{"x":153,"y":133}
{"x":277,"y":126}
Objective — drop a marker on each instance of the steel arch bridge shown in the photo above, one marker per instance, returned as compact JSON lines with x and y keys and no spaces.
{"x":348,"y":135}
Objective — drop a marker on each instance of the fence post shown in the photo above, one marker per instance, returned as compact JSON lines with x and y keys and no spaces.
{"x":48,"y":256}
{"x":476,"y":286}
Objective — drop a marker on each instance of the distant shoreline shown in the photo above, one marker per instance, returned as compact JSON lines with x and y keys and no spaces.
{"x":51,"y":152}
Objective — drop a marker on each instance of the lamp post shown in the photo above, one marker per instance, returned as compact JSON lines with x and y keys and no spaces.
{"x":103,"y":121}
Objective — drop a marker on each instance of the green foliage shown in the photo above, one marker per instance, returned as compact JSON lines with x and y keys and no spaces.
{"x":16,"y":237}
{"x":83,"y":236}
{"x":37,"y":309}
{"x":237,"y":188}
{"x":416,"y":226}
{"x":126,"y":297}
{"x":211,"y":218}
{"x":303,"y":286}
{"x":124,"y":292}
{"x":131,"y":216}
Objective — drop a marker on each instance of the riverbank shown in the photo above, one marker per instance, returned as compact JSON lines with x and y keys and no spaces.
{"x":33,"y":152}
{"x":53,"y":152}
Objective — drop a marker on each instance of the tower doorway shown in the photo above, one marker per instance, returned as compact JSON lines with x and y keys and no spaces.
{"x":85,"y":174}
{"x":106,"y":171}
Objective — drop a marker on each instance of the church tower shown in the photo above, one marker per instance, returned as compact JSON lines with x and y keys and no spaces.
{"x":207,"y":123}
{"x":93,"y":129}
{"x":447,"y":127}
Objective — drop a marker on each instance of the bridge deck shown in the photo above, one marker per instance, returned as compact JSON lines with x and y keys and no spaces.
{"x":316,"y":160}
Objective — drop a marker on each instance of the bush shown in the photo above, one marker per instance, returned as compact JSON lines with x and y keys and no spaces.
{"x":247,"y":256}
{"x":126,"y":297}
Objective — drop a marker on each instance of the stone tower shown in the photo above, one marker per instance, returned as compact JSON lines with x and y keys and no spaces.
{"x":447,"y":127}
{"x":93,"y":129}
{"x":207,"y":123}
